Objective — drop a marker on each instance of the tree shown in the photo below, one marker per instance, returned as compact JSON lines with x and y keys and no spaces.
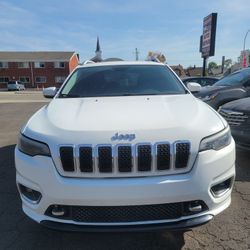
{"x":228,"y":63}
{"x":212,"y":65}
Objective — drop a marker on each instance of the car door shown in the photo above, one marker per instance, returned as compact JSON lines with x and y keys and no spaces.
{"x":246,"y":86}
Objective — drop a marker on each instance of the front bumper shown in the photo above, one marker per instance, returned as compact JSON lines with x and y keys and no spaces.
{"x":179,"y":225}
{"x":211,"y":167}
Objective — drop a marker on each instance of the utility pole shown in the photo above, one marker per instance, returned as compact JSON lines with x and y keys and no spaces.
{"x":136,"y":54}
{"x":244,"y":53}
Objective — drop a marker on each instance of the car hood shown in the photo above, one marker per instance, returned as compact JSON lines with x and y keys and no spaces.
{"x":150,"y":118}
{"x":209,"y":90}
{"x":241,"y":105}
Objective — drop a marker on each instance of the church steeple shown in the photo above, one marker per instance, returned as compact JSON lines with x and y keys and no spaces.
{"x":98,"y":52}
{"x":98,"y":48}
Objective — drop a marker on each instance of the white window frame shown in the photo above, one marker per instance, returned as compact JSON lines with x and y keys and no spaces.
{"x":4,"y":65}
{"x":45,"y":79}
{"x":24,"y":77}
{"x":25,"y":65}
{"x":39,"y":65}
{"x":58,"y":66}
{"x":5,"y":77}
{"x":62,"y":79}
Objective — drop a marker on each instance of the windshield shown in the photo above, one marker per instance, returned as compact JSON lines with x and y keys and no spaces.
{"x":234,"y":79}
{"x":121,"y":80}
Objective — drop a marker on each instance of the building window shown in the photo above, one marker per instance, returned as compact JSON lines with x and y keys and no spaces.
{"x":59,"y":65}
{"x":60,"y":79}
{"x":24,"y":79}
{"x":23,"y":65}
{"x":40,"y":79}
{"x":3,"y":64}
{"x":39,"y":64}
{"x":4,"y":79}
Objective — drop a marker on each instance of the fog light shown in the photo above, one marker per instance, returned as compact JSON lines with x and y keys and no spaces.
{"x":29,"y":194}
{"x":57,"y":211}
{"x":222,"y":187}
{"x":195,"y":207}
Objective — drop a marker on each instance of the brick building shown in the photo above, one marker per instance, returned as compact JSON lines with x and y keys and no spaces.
{"x":36,"y":69}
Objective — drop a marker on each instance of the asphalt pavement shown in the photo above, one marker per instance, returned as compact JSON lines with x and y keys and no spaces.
{"x":229,"y":230}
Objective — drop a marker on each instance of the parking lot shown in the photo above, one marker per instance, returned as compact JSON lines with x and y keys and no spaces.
{"x":229,"y":230}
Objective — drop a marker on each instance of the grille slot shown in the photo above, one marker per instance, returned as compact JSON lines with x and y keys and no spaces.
{"x":233,"y":118}
{"x":144,"y":157}
{"x":182,"y":154}
{"x":125,"y":158}
{"x":67,"y":158}
{"x":86,"y":160}
{"x":105,"y":159}
{"x":163,"y":156}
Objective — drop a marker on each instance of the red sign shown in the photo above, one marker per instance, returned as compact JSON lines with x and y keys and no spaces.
{"x":244,"y":60}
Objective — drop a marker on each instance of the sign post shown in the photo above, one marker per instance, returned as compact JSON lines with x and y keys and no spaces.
{"x":207,"y":43}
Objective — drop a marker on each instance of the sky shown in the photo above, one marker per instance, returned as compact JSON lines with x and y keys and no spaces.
{"x":172,"y":27}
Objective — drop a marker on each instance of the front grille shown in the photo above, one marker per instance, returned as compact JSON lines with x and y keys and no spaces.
{"x":105,"y":159}
{"x":125,"y":159}
{"x":127,"y":213}
{"x":142,"y":159}
{"x":67,"y":158}
{"x":182,"y":154}
{"x":233,"y":118}
{"x":123,"y":214}
{"x":85,"y":158}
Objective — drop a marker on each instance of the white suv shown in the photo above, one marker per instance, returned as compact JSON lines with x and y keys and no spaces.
{"x":124,"y":146}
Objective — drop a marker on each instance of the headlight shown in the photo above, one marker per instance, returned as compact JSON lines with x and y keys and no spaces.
{"x":32,"y":147}
{"x":217,"y":141}
{"x":209,"y":97}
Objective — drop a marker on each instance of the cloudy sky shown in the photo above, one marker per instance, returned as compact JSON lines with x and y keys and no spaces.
{"x":170,"y":26}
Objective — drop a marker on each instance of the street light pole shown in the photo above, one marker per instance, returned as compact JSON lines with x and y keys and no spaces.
{"x":244,"y":44}
{"x":244,"y":53}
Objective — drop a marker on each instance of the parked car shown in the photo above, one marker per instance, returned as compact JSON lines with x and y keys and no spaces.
{"x":203,"y":80}
{"x":124,"y":146}
{"x":15,"y":85}
{"x":232,"y":87}
{"x":237,"y":114}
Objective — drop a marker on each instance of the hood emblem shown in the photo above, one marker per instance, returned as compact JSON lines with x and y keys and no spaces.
{"x":119,"y":137}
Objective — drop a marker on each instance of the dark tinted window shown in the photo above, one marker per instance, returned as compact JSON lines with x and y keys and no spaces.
{"x":234,"y":79}
{"x":122,"y":80}
{"x":12,"y":82}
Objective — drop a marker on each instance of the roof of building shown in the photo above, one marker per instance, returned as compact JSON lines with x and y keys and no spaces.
{"x":32,"y":56}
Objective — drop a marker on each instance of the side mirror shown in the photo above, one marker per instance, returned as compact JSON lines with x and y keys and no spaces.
{"x":49,"y":92}
{"x":194,"y":87}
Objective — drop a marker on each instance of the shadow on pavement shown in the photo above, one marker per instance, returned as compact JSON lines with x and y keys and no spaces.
{"x":19,"y":232}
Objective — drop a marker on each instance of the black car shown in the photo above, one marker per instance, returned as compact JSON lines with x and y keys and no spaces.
{"x":203,"y":80}
{"x":229,"y":88}
{"x":237,"y":114}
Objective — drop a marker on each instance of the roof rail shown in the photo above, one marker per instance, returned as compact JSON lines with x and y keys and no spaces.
{"x":88,"y":62}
